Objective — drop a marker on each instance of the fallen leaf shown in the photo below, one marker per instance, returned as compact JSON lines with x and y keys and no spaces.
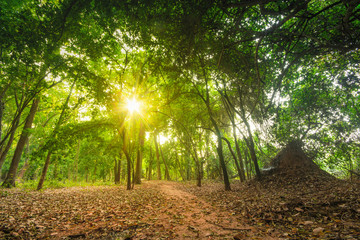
{"x":308,"y":222}
{"x":299,"y":209}
{"x":318,"y":230}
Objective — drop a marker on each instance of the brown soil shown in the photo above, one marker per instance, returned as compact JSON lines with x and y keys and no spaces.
{"x":189,"y":217}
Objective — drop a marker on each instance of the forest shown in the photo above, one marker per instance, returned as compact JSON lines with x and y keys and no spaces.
{"x":194,"y":119}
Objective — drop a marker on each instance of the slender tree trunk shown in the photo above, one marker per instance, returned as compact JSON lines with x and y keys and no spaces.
{"x":234,"y":157}
{"x":26,"y":163}
{"x":128,"y":159}
{"x":167,"y":175}
{"x":5,"y":151}
{"x":157,"y":157}
{"x":115,"y":172}
{"x":43,"y":173}
{"x":222,"y":162}
{"x":137,"y":179}
{"x":11,"y":176}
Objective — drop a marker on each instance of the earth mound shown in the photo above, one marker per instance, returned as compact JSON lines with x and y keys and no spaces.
{"x":293,"y":165}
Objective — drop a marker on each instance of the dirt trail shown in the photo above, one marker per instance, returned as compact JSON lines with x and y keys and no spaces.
{"x":189,"y":217}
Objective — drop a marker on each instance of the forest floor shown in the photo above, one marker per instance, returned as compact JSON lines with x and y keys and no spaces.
{"x":169,"y":210}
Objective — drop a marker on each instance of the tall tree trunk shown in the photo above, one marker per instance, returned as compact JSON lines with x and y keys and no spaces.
{"x":157,"y":157}
{"x":128,"y":159}
{"x":115,"y":171}
{"x":167,"y":175}
{"x":219,"y":150}
{"x":11,"y":176}
{"x":251,"y":146}
{"x":5,"y":151}
{"x":137,"y":179}
{"x":26,"y":164}
{"x":43,"y":173}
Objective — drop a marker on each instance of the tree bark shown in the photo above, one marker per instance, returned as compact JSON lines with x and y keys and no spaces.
{"x":219,"y":150}
{"x":116,"y":172}
{"x":43,"y":173}
{"x":11,"y":176}
{"x":26,"y":164}
{"x":4,"y":153}
{"x":138,"y":172}
{"x":128,"y":159}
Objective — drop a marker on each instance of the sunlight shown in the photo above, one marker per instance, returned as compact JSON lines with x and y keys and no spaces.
{"x":163,"y":139}
{"x":133,"y":105}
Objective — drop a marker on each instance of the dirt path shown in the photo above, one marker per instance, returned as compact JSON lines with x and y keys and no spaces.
{"x":186,"y":216}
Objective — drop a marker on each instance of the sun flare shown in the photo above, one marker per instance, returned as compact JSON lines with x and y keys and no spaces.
{"x":133,"y":105}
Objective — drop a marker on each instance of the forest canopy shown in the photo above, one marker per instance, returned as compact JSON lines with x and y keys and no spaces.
{"x":178,"y":90}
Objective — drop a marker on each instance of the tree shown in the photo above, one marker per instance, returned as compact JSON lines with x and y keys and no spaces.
{"x":11,"y":175}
